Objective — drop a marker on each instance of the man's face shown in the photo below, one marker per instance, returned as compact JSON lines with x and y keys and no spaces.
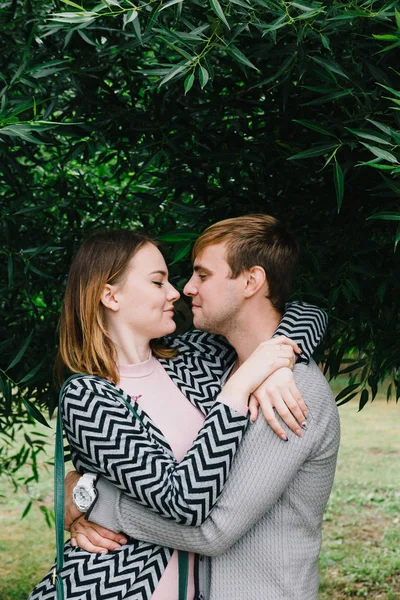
{"x":215,"y":297}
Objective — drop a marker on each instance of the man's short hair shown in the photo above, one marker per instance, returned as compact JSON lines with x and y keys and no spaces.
{"x":256,"y":240}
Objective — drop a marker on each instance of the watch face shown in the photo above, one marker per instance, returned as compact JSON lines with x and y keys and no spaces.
{"x":82,"y":498}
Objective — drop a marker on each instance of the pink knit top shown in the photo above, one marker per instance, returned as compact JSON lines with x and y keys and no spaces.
{"x":180,"y":422}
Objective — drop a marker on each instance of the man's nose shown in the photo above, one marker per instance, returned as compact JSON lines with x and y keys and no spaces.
{"x":190,"y":289}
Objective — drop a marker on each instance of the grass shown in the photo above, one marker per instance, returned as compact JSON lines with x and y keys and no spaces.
{"x":360,"y":556}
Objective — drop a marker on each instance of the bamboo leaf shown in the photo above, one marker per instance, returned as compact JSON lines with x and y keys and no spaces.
{"x":172,"y":73}
{"x":240,"y":57}
{"x":170,"y":3}
{"x":314,"y":127}
{"x":215,"y":5}
{"x":338,"y":179}
{"x":329,"y":65}
{"x":374,"y":137}
{"x":363,"y":399}
{"x":26,"y":509}
{"x":317,"y":151}
{"x":385,"y":216}
{"x":347,"y":390}
{"x":34,"y":412}
{"x":203,"y":76}
{"x":384,"y":154}
{"x":189,"y":82}
{"x":20,"y":352}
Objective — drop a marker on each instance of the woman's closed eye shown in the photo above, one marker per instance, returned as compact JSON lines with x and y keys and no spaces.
{"x":159,"y":283}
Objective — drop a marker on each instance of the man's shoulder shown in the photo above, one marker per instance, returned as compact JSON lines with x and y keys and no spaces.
{"x":312,"y":383}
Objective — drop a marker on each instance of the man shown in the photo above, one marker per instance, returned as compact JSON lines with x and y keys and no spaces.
{"x":264,"y":534}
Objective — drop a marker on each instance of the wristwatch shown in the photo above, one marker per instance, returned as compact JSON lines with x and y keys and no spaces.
{"x":84,"y":493}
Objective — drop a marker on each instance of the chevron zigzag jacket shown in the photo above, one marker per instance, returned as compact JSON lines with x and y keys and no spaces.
{"x":106,"y":438}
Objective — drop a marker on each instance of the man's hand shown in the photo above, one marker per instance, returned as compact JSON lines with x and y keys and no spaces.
{"x":71,"y":512}
{"x":93,"y":538}
{"x":279,"y":391}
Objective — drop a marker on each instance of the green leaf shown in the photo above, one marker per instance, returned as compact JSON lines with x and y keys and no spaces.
{"x":215,"y":5}
{"x":172,"y":73}
{"x":240,"y":57}
{"x":178,"y":237}
{"x":203,"y":76}
{"x":363,"y":399}
{"x":316,"y":151}
{"x":73,"y":4}
{"x":387,"y":36}
{"x":384,"y":154}
{"x":182,"y":253}
{"x":397,"y":15}
{"x":397,"y":238}
{"x":386,"y":216}
{"x":338,"y":180}
{"x":328,"y":98}
{"x":34,"y":412}
{"x":189,"y":82}
{"x":329,"y":65}
{"x":325,"y":41}
{"x":32,"y":372}
{"x":27,"y":509}
{"x":137,"y":30}
{"x":314,"y":127}
{"x":375,"y":137}
{"x":395,"y":135}
{"x":129,"y":16}
{"x":170,"y":3}
{"x":20,"y":352}
{"x":346,"y":391}
{"x":10,"y":269}
{"x":347,"y":399}
{"x":241,"y":3}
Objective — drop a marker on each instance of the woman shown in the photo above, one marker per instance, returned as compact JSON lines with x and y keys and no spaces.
{"x":118,"y":300}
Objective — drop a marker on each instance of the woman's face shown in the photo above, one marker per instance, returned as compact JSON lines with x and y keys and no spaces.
{"x":145,"y":297}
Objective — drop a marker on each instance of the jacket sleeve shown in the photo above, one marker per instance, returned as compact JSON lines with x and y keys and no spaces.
{"x":106,"y":438}
{"x":264,"y":467}
{"x":305,"y":324}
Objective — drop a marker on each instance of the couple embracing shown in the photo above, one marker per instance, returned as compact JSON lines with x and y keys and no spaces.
{"x":186,"y":491}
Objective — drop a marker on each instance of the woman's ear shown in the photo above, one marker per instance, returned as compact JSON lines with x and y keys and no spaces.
{"x":255,"y":281}
{"x":108,"y":298}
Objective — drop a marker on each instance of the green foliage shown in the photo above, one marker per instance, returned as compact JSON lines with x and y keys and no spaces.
{"x":168,"y":116}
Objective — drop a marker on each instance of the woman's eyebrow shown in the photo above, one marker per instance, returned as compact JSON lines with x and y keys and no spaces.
{"x":159,"y":272}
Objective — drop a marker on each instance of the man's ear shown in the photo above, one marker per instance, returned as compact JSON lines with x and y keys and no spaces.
{"x":255,"y":281}
{"x":108,"y":298}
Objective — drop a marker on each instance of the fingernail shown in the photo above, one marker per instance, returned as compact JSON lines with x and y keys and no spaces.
{"x":104,"y":552}
{"x":306,"y":417}
{"x":285,"y":437}
{"x":304,"y":425}
{"x":299,"y":432}
{"x":123,"y":541}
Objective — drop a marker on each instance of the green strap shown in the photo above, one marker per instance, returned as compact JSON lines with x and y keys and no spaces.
{"x":183,"y":566}
{"x":59,"y":475}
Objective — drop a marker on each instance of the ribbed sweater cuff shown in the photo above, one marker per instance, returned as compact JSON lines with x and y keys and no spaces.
{"x":104,"y":510}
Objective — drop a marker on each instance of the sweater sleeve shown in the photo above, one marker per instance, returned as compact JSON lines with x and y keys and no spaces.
{"x":305,"y":324}
{"x":254,"y":486}
{"x":106,"y":438}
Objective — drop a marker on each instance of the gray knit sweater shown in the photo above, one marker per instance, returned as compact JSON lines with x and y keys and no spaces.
{"x":264,"y":534}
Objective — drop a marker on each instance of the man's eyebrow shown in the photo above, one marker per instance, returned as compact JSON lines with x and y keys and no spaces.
{"x":159,"y":272}
{"x":198,"y":268}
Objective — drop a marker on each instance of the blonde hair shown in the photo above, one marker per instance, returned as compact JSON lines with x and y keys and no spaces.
{"x":85,"y":346}
{"x":256,"y":240}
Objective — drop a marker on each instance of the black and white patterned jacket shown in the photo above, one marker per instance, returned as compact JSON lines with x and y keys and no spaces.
{"x":106,"y":438}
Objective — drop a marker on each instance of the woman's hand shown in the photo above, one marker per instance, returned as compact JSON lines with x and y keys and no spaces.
{"x":279,"y":391}
{"x":94,"y":538}
{"x":266,"y":359}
